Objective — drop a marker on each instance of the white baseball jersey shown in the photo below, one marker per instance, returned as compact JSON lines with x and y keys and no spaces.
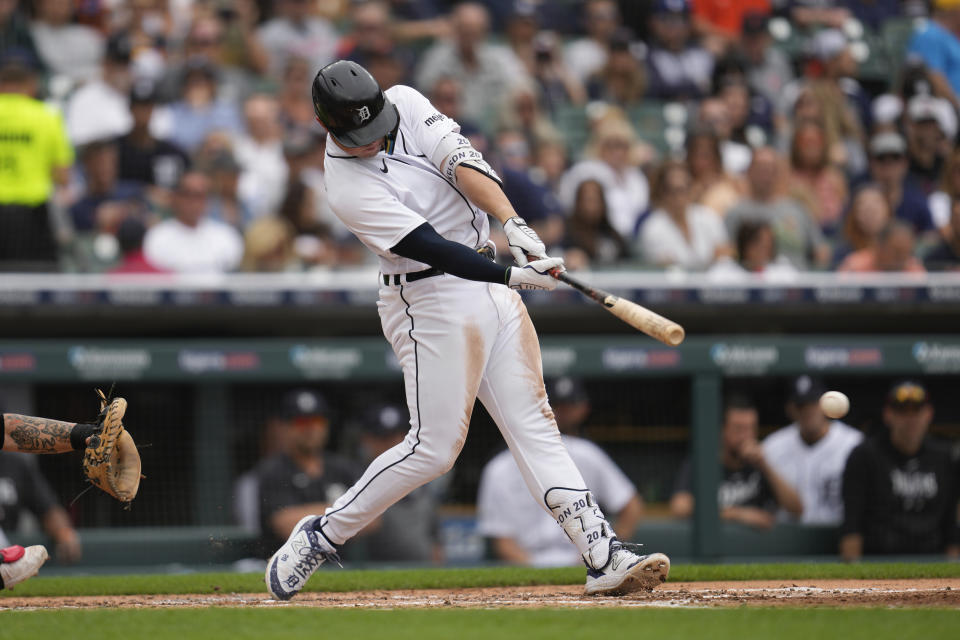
{"x":383,"y":198}
{"x":505,"y":510}
{"x":456,"y":340}
{"x":814,"y":471}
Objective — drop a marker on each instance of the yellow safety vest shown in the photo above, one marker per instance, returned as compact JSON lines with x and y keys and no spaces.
{"x":33,"y":142}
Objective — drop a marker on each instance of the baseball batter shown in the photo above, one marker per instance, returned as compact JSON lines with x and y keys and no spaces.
{"x":413,"y":190}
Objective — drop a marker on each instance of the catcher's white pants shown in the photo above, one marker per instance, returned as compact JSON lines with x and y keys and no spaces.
{"x":458,"y":340}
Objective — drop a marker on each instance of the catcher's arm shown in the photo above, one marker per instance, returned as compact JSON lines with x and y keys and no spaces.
{"x":30,"y":434}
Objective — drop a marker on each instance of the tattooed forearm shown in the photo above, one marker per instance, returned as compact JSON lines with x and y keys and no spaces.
{"x":37,"y":435}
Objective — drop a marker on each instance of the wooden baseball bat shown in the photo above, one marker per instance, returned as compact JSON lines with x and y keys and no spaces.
{"x":638,"y":317}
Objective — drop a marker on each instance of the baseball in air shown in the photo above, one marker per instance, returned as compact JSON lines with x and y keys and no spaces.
{"x":834,"y":404}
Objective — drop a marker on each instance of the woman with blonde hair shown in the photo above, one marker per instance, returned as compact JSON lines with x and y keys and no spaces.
{"x":869,"y":213}
{"x":611,"y":162}
{"x":815,"y":180}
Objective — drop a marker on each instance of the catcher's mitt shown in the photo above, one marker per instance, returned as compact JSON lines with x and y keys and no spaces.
{"x":111,"y":460}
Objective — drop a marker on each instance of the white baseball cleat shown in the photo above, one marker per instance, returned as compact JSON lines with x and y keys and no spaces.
{"x":293,"y":563}
{"x":20,"y":564}
{"x":627,"y":572}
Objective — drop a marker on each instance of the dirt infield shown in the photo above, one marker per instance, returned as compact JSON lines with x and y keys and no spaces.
{"x":787,"y":593}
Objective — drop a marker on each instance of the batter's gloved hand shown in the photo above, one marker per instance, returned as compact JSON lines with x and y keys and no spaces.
{"x":111,"y":460}
{"x":523,"y":240}
{"x":535,"y":275}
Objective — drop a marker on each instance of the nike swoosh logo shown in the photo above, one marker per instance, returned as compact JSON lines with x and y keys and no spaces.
{"x":384,"y":169}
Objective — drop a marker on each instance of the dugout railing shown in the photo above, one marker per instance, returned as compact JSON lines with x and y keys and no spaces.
{"x":190,"y":458}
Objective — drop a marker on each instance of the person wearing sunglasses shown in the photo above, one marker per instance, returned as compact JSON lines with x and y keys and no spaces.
{"x":900,"y":486}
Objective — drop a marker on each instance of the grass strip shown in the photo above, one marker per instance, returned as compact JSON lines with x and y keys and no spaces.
{"x":366,"y":580}
{"x":529,"y":624}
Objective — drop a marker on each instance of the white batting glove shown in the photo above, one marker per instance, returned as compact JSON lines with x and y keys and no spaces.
{"x":535,"y":275}
{"x":523,"y":240}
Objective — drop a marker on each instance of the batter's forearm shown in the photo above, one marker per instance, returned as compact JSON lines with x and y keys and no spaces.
{"x":29,"y":434}
{"x":484,"y":192}
{"x":425,"y":245}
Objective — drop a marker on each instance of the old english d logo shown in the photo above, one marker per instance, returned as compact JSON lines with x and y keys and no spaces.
{"x":363,"y":114}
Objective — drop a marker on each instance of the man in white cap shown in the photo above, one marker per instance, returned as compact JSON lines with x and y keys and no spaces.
{"x":931,"y":126}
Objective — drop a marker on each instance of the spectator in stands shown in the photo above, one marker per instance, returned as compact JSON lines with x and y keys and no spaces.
{"x":143,"y":157}
{"x":100,"y":108}
{"x":206,"y":45}
{"x":869,"y":214}
{"x":836,"y":70}
{"x":409,"y":530}
{"x":296,"y":105}
{"x":893,"y":251}
{"x":556,"y":84}
{"x":264,"y":170}
{"x":520,"y":30}
{"x":225,"y":203}
{"x":941,"y":200}
{"x":23,"y":488}
{"x":622,"y":80}
{"x":522,"y":532}
{"x":938,"y":45}
{"x":750,"y":490}
{"x":34,"y":140}
{"x":66,"y":48}
{"x":304,"y":478}
{"x":945,"y":256}
{"x":769,"y":70}
{"x":101,"y":171}
{"x":888,"y":170}
{"x":719,"y":23}
{"x":797,"y":235}
{"x":818,"y":13}
{"x":371,"y":43}
{"x":680,"y":233}
{"x":931,"y":126}
{"x":591,"y":241}
{"x":815,"y":180}
{"x":130,"y":235}
{"x":715,"y":115}
{"x":520,"y":112}
{"x":757,"y":254}
{"x":712,"y":186}
{"x":192,"y":242}
{"x":810,"y":453}
{"x":678,"y":68}
{"x":550,"y":163}
{"x":200,"y":110}
{"x":240,"y":46}
{"x":486,"y":71}
{"x":900,"y":485}
{"x":296,"y":32}
{"x":447,"y":96}
{"x":268,"y":246}
{"x":587,"y":55}
{"x":625,"y":187}
{"x":15,"y":37}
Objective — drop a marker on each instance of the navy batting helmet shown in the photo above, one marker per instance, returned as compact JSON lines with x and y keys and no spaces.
{"x":350,"y":104}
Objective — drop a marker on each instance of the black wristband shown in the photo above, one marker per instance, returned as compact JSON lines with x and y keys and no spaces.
{"x":3,"y":429}
{"x":79,"y":434}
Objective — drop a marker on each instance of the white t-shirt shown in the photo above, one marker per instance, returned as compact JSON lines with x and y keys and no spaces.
{"x":210,"y":247}
{"x":383,"y":198}
{"x":263,"y":178}
{"x":814,"y":471}
{"x":505,"y":508}
{"x":627,"y":193}
{"x":662,"y":243}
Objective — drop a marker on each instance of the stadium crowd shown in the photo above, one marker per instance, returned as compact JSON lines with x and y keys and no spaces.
{"x":762,"y":136}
